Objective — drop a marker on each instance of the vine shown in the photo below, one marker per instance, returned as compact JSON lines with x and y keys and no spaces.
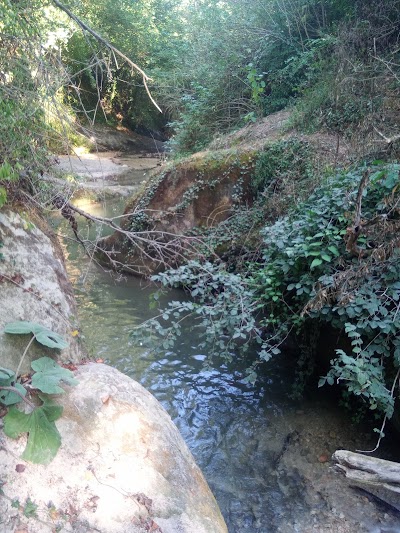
{"x":304,"y":273}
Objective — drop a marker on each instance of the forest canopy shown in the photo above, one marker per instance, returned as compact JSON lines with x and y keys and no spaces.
{"x":213,"y":65}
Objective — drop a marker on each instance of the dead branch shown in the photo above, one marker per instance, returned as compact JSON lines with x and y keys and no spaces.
{"x":388,"y":140}
{"x":98,"y":37}
{"x":354,"y":232}
{"x":163,"y":248}
{"x":377,"y":476}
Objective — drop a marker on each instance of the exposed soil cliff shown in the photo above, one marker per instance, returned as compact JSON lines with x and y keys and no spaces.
{"x":203,"y":190}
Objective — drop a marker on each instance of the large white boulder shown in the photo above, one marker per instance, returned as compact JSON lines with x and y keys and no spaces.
{"x":122,"y":467}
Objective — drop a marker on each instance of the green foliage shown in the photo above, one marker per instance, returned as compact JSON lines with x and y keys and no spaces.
{"x":256,"y":82}
{"x":31,"y":76}
{"x":43,"y":437}
{"x":48,"y":375}
{"x":335,"y":62}
{"x":296,"y":70}
{"x":305,"y":274}
{"x":246,"y":74}
{"x":281,"y":160}
{"x":3,"y":198}
{"x":7,"y":174}
{"x":193,"y":129}
{"x":149,"y":32}
{"x":30,"y":508}
{"x":309,"y":275}
{"x":257,"y":87}
{"x":7,"y":379}
{"x":363,"y":372}
{"x":220,"y":310}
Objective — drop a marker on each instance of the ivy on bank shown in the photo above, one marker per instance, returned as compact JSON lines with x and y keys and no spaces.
{"x":307,"y":273}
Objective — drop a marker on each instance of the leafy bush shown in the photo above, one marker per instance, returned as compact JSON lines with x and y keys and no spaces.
{"x":309,"y":271}
{"x":221,"y":309}
{"x":310,"y":274}
{"x":296,"y":69}
{"x":7,"y":176}
{"x":193,"y":130}
{"x":288,"y":160}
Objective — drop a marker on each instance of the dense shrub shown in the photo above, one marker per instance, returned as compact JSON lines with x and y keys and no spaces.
{"x":311,"y":270}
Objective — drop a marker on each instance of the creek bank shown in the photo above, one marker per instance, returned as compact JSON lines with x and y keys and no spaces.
{"x":198,"y":192}
{"x":201,"y":191}
{"x":123,"y":466}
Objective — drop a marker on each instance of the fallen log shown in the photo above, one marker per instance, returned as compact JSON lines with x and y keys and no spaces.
{"x":376,"y":476}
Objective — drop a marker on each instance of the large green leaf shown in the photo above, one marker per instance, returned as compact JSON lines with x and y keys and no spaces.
{"x":51,"y":339}
{"x":44,"y":439}
{"x":22,"y":327}
{"x":48,"y":375}
{"x":45,"y":336}
{"x":6,"y":376}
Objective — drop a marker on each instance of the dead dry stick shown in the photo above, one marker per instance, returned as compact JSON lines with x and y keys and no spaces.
{"x":388,"y":140}
{"x":354,"y":232}
{"x":163,"y":247}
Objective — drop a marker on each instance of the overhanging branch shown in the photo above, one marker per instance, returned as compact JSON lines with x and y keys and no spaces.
{"x":115,"y":50}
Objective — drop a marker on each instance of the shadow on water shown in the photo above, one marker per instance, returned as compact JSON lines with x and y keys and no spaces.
{"x":260,"y":452}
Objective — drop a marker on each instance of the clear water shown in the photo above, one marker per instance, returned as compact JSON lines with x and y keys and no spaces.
{"x":266,"y":477}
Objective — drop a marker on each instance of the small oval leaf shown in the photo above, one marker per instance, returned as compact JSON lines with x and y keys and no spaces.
{"x":316,"y":262}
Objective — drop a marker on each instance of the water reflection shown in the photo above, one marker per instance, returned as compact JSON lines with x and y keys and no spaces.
{"x":245,"y":438}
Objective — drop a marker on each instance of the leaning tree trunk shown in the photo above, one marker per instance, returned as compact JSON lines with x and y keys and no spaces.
{"x":376,"y":476}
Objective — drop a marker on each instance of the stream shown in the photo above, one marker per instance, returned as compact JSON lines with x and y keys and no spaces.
{"x":265,"y":456}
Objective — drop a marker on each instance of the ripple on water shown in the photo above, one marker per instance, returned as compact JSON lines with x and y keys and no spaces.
{"x":258,"y":450}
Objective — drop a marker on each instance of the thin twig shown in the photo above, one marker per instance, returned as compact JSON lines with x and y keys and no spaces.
{"x":23,"y":356}
{"x":381,"y":435}
{"x":113,"y":49}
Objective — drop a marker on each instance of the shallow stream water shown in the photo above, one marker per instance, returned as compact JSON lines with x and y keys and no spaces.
{"x":265,"y":457}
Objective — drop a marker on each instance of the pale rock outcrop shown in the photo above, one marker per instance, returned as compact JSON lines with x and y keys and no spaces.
{"x":122,"y":468}
{"x":34,"y":287}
